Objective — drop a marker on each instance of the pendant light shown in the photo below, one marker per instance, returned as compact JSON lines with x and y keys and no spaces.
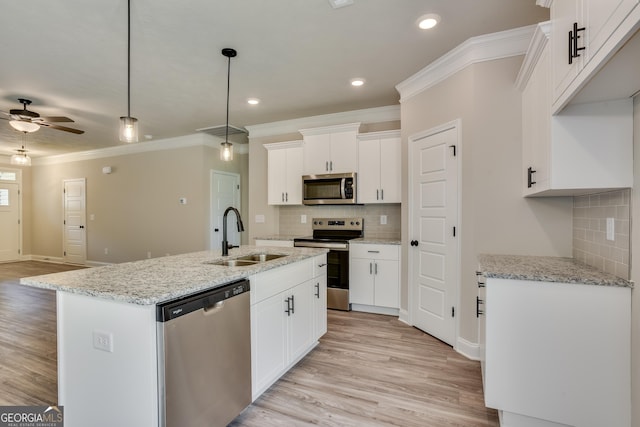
{"x":128,"y":124}
{"x":21,"y":159}
{"x":226,"y":148}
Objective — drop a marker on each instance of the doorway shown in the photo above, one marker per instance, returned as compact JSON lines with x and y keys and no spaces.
{"x":225,"y":192}
{"x":74,"y":231}
{"x":10,"y":215}
{"x":434,"y":258}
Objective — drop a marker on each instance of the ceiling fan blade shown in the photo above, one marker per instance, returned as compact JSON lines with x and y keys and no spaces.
{"x":64,"y":128}
{"x":53,"y":119}
{"x":5,"y":113}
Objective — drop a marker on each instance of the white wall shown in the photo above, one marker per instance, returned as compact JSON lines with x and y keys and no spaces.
{"x":635,"y":269}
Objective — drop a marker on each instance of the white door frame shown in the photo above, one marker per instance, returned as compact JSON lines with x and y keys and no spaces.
{"x":212,"y":201}
{"x":20,"y":221}
{"x":454,"y":124}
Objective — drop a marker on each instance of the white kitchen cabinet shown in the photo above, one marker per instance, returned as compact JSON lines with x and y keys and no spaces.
{"x":584,"y":148}
{"x":379,"y":165}
{"x":284,"y":173}
{"x":330,"y":149}
{"x":284,"y":316}
{"x":603,"y":27}
{"x":320,"y":297}
{"x":374,"y":278}
{"x":557,"y":354}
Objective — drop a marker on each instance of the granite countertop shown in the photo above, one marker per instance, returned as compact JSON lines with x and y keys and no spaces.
{"x":545,"y":269}
{"x":155,"y":280}
{"x":277,"y":237}
{"x":376,"y":241}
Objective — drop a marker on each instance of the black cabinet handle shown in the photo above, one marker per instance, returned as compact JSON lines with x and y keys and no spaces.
{"x":530,"y":180}
{"x":478,"y":311}
{"x":288,"y":310}
{"x":414,"y":243}
{"x":574,"y":50}
{"x":318,"y":290}
{"x":293,"y":305}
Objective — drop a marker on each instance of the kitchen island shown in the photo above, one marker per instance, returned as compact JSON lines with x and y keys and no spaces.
{"x":554,"y":341}
{"x":107,"y":332}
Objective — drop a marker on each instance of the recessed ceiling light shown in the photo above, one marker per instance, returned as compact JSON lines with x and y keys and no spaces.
{"x":336,"y":4}
{"x":357,"y":82}
{"x":428,"y":21}
{"x":253,"y":101}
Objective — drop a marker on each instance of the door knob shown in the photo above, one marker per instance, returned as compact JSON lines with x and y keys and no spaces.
{"x":216,"y":229}
{"x":414,"y":243}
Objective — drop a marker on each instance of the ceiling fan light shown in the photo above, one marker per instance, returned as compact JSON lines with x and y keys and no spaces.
{"x":226,"y":151}
{"x":21,"y":159}
{"x":128,"y":129}
{"x":428,"y":21}
{"x":24,"y":126}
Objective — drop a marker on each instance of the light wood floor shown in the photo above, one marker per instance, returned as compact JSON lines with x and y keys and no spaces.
{"x":368,"y":370}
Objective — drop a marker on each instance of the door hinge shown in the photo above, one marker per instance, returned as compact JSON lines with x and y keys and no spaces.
{"x":238,"y":186}
{"x":18,"y":222}
{"x":64,"y":253}
{"x":64,"y":222}
{"x":453,"y":312}
{"x":19,"y":252}
{"x":454,"y":149}
{"x":454,"y":232}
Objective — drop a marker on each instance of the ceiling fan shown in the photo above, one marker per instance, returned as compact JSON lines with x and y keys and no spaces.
{"x":27,"y":121}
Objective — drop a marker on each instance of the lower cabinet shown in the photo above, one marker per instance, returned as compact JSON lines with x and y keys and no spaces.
{"x":288,"y":315}
{"x":374,"y":278}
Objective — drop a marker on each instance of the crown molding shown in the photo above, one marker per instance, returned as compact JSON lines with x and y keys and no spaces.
{"x":536,"y":47}
{"x":394,"y":133}
{"x":488,"y":47}
{"x":282,"y":145}
{"x":140,"y":147}
{"x":544,"y":3}
{"x":347,"y":127}
{"x":368,"y":115}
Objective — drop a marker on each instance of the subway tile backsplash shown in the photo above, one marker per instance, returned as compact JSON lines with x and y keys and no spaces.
{"x":290,"y":218}
{"x":590,"y":244}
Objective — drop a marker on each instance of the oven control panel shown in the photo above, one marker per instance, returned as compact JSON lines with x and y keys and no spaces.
{"x":338,"y":224}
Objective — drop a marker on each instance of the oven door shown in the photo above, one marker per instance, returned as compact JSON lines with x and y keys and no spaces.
{"x":338,"y":279}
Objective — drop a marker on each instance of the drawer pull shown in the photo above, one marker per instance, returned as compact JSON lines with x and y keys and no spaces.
{"x":374,"y":252}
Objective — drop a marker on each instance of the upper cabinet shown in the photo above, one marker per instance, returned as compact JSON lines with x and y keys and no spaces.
{"x":284,"y":173}
{"x":330,"y":149}
{"x":379,"y":167}
{"x":583,"y":148}
{"x":589,"y":40}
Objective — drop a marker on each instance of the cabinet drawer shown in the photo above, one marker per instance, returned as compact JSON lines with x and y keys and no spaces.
{"x":272,"y":282}
{"x":374,"y":251}
{"x":319,"y":265}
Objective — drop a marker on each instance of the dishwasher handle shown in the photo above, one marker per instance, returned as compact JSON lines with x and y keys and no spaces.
{"x":206,"y":300}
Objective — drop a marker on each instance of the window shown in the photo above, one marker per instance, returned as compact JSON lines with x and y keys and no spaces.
{"x":8,"y":176}
{"x":4,"y":197}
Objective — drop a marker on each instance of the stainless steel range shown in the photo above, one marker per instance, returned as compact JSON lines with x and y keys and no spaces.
{"x":334,"y":234}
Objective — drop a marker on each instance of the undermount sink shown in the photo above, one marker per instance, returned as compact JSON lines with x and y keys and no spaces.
{"x":246,"y":260}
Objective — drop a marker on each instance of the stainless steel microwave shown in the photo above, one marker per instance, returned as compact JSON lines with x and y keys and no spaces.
{"x":329,"y":189}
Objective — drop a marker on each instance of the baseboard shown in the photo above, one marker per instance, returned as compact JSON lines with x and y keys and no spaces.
{"x":404,"y":316}
{"x":375,"y":309}
{"x":97,"y":263}
{"x":468,"y":349}
{"x":44,"y":258}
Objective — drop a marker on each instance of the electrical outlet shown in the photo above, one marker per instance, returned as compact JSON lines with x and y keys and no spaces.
{"x":106,"y":251}
{"x":92,"y":217}
{"x":259,"y":219}
{"x":611,"y":229}
{"x":303,"y":219}
{"x":383,"y":219}
{"x":103,"y":341}
{"x":148,"y":254}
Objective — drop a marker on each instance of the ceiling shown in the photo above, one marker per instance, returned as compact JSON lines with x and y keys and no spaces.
{"x":297,"y":57}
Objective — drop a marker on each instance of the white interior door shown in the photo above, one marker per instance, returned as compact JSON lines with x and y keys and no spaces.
{"x":75,"y":233}
{"x":434,"y":263}
{"x":225,"y":192}
{"x":9,"y":222}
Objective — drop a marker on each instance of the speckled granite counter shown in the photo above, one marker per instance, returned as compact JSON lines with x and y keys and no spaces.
{"x":375,"y":241}
{"x":545,"y":269}
{"x":156,"y":280}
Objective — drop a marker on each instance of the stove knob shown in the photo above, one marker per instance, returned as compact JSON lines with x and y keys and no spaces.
{"x":357,"y":222}
{"x":315,"y":222}
{"x":320,"y":222}
{"x":352,"y":223}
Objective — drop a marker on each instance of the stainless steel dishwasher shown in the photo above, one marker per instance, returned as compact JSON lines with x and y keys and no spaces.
{"x":204,"y":351}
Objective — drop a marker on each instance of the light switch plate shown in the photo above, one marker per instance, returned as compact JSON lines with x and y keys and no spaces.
{"x":303,"y":219}
{"x":383,"y":219}
{"x":259,"y":219}
{"x":611,"y":229}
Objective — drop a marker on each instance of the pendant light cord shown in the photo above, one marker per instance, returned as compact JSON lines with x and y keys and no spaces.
{"x":226,"y":136}
{"x":128,"y":58}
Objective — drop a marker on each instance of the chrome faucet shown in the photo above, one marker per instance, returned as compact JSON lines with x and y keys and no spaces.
{"x":225,"y":245}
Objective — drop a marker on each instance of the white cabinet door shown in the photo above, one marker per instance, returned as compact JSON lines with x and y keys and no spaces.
{"x":386,"y":289}
{"x":344,"y":152}
{"x":319,"y":306}
{"x":602,"y":18}
{"x":563,"y":14}
{"x":269,"y":341}
{"x":361,"y":281}
{"x":300,"y":319}
{"x":390,"y":166}
{"x":276,"y":176}
{"x":369,"y":171}
{"x":293,"y":179}
{"x":317,"y":151}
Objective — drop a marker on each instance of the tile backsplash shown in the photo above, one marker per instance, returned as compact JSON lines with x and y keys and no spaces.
{"x":290,"y":218}
{"x":590,"y":243}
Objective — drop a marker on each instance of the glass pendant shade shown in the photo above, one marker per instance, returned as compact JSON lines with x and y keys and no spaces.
{"x":24,"y":126}
{"x":226,"y":151}
{"x":21,"y":159}
{"x":128,"y":129}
